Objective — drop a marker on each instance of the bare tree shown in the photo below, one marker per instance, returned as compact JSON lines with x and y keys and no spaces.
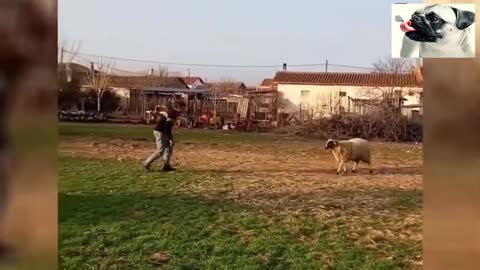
{"x":218,"y":90}
{"x":213,"y":95}
{"x":387,"y":100}
{"x":158,"y":78}
{"x":393,"y":65}
{"x":391,"y":94}
{"x":155,"y":78}
{"x":67,"y":56}
{"x":68,"y":86}
{"x":99,"y":79}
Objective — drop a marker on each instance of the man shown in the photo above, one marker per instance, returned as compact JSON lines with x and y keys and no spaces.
{"x":164,"y":139}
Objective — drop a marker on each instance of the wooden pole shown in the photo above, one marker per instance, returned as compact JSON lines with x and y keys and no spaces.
{"x":92,"y":68}
{"x":326,"y":65}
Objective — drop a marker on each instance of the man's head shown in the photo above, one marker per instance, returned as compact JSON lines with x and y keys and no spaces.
{"x":435,"y":22}
{"x":164,"y":114}
{"x":176,"y":110}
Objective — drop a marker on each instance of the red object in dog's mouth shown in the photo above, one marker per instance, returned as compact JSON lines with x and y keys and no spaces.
{"x":407,"y":27}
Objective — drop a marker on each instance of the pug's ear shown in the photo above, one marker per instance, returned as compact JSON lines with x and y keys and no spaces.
{"x":465,"y":18}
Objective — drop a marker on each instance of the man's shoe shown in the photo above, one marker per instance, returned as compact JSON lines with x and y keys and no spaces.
{"x":168,"y":168}
{"x":146,"y":168}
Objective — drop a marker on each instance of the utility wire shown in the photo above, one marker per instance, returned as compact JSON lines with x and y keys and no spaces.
{"x":213,"y":65}
{"x":87,"y":60}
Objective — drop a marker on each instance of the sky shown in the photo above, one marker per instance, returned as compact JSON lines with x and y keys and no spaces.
{"x":215,"y":32}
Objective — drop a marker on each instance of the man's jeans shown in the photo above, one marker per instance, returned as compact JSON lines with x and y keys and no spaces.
{"x":164,"y":149}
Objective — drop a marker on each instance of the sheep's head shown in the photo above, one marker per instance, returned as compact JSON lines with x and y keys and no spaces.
{"x":330,"y":144}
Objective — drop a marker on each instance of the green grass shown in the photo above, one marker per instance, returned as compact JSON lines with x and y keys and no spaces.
{"x":113,"y":216}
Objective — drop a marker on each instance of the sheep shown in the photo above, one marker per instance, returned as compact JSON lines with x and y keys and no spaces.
{"x":355,"y":150}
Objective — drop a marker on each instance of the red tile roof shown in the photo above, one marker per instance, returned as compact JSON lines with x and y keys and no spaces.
{"x":418,"y":72}
{"x":266,"y":82}
{"x":227,"y":87}
{"x":191,"y":80}
{"x":336,"y":78}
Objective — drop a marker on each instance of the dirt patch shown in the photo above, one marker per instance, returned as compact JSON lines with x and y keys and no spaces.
{"x":294,"y":158}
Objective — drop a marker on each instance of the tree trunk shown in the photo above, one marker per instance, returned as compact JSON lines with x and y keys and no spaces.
{"x":82,"y":104}
{"x":99,"y":99}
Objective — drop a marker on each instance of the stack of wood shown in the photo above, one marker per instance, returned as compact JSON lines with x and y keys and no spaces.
{"x":382,"y":127}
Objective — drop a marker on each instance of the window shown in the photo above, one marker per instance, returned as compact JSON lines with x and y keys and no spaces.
{"x":342,"y":94}
{"x":305,"y":93}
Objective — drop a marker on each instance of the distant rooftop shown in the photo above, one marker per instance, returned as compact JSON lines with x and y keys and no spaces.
{"x":173,"y":90}
{"x":348,"y":78}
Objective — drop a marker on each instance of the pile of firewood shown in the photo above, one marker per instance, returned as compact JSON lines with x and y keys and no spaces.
{"x":388,"y":127}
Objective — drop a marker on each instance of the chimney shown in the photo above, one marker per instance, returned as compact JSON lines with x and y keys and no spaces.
{"x":284,"y":66}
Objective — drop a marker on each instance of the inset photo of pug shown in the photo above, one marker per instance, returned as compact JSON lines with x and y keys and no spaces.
{"x":433,"y":31}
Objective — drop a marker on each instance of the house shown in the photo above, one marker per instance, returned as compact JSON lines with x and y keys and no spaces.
{"x":266,"y":84}
{"x":327,"y":93}
{"x":121,"y":80}
{"x":413,"y":108}
{"x":192,"y":82}
{"x":224,"y":88}
{"x":127,"y":87}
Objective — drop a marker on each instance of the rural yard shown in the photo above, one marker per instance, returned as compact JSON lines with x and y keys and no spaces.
{"x":236,"y":201}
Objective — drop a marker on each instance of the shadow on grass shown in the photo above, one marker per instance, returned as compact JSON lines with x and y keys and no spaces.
{"x":106,"y":208}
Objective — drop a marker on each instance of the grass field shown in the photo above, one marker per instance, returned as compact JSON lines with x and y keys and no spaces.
{"x":237,"y":201}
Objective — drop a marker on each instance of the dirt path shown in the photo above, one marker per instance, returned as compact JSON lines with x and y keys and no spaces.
{"x":309,"y":161}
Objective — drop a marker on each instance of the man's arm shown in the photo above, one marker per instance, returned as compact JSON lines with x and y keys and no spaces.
{"x":168,"y":129}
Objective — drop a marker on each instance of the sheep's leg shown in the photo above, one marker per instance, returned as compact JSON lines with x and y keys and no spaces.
{"x":370,"y":167}
{"x":340,"y":165}
{"x":355,"y":163}
{"x":335,"y":155}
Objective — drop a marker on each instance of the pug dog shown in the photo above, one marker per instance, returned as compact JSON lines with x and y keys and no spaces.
{"x":438,"y":31}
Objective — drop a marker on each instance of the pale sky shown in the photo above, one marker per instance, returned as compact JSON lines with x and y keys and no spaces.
{"x":248,"y":32}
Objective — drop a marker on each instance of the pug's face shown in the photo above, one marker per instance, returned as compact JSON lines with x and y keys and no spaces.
{"x":437,"y":22}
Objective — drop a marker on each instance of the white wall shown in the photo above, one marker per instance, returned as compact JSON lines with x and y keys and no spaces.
{"x":321,"y":95}
{"x":121,"y":92}
{"x":196,"y":84}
